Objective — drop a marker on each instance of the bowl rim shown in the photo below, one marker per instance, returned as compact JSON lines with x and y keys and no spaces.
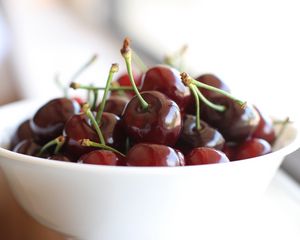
{"x":26,"y":159}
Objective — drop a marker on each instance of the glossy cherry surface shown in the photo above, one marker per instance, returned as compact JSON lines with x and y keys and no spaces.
{"x":214,"y":81}
{"x":113,"y":131}
{"x":253,"y":147}
{"x":265,"y":128}
{"x":204,"y":155}
{"x":191,"y":138}
{"x":124,"y":81}
{"x":59,"y":157}
{"x":116,"y":104}
{"x":144,"y":154}
{"x":236,"y":123}
{"x":48,"y":122}
{"x":102,"y":157}
{"x":28,"y":147}
{"x":167,"y":80}
{"x":160,"y":123}
{"x":23,"y":132}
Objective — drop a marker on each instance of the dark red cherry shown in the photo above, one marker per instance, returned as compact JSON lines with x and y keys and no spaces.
{"x":204,"y":155}
{"x":229,"y":149}
{"x":167,"y":80}
{"x":265,"y":128}
{"x":214,"y":81}
{"x":22,"y":132}
{"x":160,"y":123}
{"x":116,"y":104}
{"x":113,"y":131}
{"x":252,"y":147}
{"x":60,"y":157}
{"x":236,"y":123}
{"x":48,"y":122}
{"x":124,"y":81}
{"x":28,"y":147}
{"x":191,"y":138}
{"x":79,"y":100}
{"x":78,"y":127}
{"x":144,"y":154}
{"x":102,"y":157}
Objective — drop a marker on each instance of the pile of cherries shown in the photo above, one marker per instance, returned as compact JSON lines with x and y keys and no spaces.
{"x":160,"y":117}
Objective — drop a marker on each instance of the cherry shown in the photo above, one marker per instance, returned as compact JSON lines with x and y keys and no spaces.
{"x":76,"y":128}
{"x":204,"y":155}
{"x":191,"y":137}
{"x":113,"y":131}
{"x":124,"y":80}
{"x":22,"y":132}
{"x":214,"y":81}
{"x":252,"y":147}
{"x":144,"y":154}
{"x":160,"y":123}
{"x":167,"y":80}
{"x":265,"y":128}
{"x":48,"y":122}
{"x":229,"y":149}
{"x":28,"y":147}
{"x":236,"y":123}
{"x":102,"y":157}
{"x":116,"y":104}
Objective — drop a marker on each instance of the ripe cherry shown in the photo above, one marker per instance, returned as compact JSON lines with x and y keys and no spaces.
{"x":102,"y":157}
{"x":214,"y":81}
{"x":147,"y":155}
{"x":204,"y":155}
{"x":60,"y":157}
{"x":191,"y":137}
{"x":159,"y":123}
{"x":252,"y":147}
{"x":28,"y":147}
{"x":116,"y":104}
{"x":235,"y":123}
{"x":23,"y":132}
{"x":265,"y":128}
{"x":48,"y":122}
{"x":167,"y":80}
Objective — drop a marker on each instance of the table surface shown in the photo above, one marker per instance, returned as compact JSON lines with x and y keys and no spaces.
{"x":279,"y":214}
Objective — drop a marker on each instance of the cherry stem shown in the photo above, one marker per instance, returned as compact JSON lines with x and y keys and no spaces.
{"x":84,"y":67}
{"x":188,"y":78}
{"x":194,"y":91}
{"x":283,"y":126}
{"x":139,"y":62}
{"x":126,"y":53}
{"x":214,"y":106}
{"x":95,"y":93}
{"x":58,"y":142}
{"x":113,"y":69}
{"x":75,"y":85}
{"x":87,"y":111}
{"x":89,"y":143}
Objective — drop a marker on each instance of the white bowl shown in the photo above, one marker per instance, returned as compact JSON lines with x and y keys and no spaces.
{"x":134,"y":203}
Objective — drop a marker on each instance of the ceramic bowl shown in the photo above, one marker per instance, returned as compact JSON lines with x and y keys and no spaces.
{"x":107,"y":202}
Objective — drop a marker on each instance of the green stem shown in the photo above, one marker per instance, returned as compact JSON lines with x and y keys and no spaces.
{"x":194,"y":91}
{"x":91,"y":88}
{"x":114,"y":68}
{"x":211,"y":88}
{"x":126,"y":53}
{"x":89,"y":143}
{"x":95,"y":93}
{"x":214,"y":106}
{"x":59,"y":142}
{"x":86,"y":109}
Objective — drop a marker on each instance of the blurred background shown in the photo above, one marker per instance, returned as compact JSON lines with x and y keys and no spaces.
{"x":252,"y":45}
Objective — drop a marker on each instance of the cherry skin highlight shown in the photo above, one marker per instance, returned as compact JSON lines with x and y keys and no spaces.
{"x":144,"y":154}
{"x":160,"y":123}
{"x":204,"y":155}
{"x":167,"y":80}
